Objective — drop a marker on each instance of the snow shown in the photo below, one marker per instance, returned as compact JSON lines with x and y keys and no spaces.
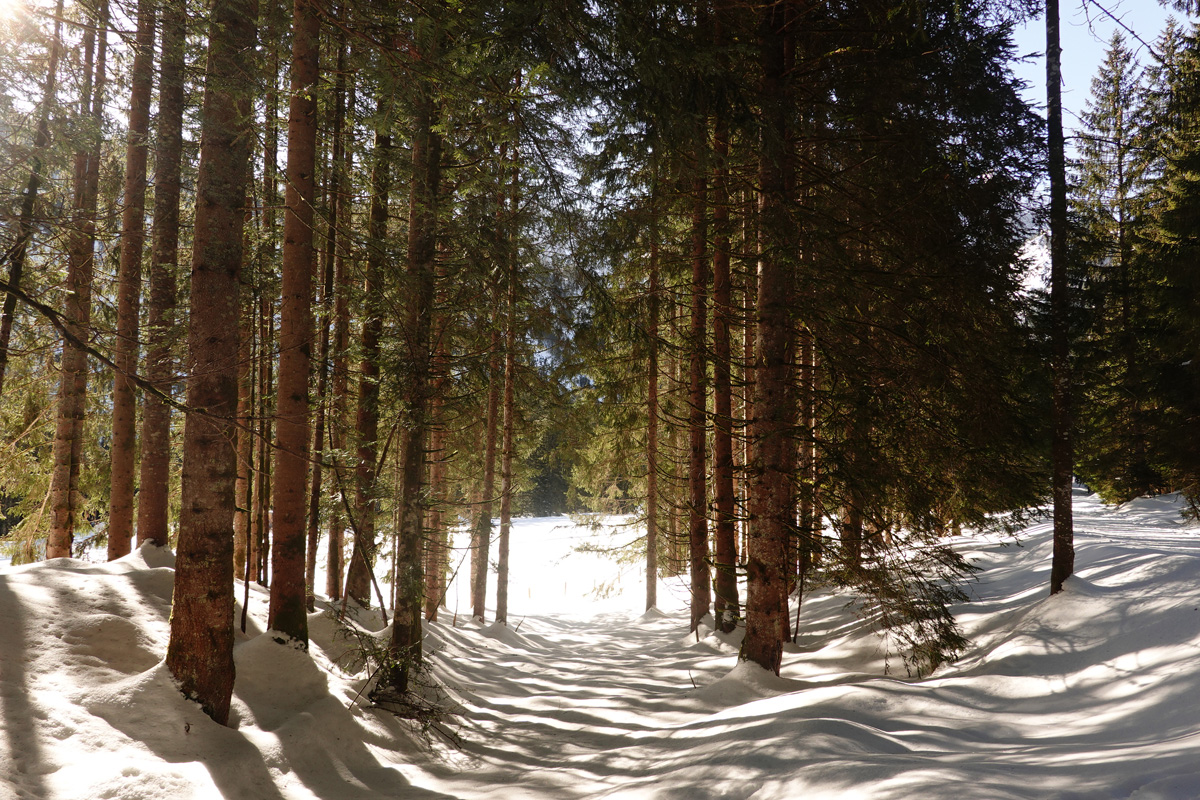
{"x":1090,"y":694}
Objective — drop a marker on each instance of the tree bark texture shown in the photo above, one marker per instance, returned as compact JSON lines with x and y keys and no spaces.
{"x":200,"y":649}
{"x":123,"y":448}
{"x":506,"y":446}
{"x":358,"y":581}
{"x":155,"y":469}
{"x":288,"y":612}
{"x":72,"y":388}
{"x":1062,"y":450}
{"x":770,"y":490}
{"x":725,"y":587}
{"x":698,"y":397}
{"x":421,"y":276}
{"x":335,"y":553}
{"x":481,"y":538}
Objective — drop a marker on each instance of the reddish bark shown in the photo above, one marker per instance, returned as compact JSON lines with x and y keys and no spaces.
{"x":405,"y":643}
{"x":155,"y":476}
{"x":771,"y":497}
{"x":72,"y":389}
{"x":698,"y":399}
{"x":288,"y":612}
{"x":122,"y":453}
{"x":725,"y":536}
{"x":358,"y":581}
{"x":200,"y":649}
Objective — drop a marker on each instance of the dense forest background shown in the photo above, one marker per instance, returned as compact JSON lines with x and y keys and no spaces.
{"x":320,"y":282}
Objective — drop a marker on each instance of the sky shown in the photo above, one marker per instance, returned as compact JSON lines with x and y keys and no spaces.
{"x":1085,"y":32}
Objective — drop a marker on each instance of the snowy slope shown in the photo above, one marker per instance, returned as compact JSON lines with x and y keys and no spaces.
{"x":1087,"y":695}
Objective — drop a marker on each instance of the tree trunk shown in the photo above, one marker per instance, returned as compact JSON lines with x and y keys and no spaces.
{"x":200,"y":650}
{"x":481,"y":536}
{"x":725,"y":540}
{"x":771,"y":498}
{"x":155,"y":477}
{"x":698,"y":397}
{"x":358,"y":581}
{"x":508,"y":424}
{"x":1062,"y":455}
{"x":17,"y":253}
{"x":122,"y":452}
{"x":437,"y":552}
{"x":422,"y":258}
{"x":652,"y":411}
{"x":260,"y":540}
{"x":324,"y":409}
{"x":289,"y":607}
{"x":72,"y":391}
{"x":244,"y":527}
{"x":749,"y":335}
{"x":341,"y":323}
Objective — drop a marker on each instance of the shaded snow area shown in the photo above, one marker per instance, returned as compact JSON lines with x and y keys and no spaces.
{"x":1092,"y":694}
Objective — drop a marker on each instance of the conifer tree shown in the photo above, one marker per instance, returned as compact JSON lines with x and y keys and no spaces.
{"x":133,"y":220}
{"x":200,"y":650}
{"x":155,"y":467}
{"x":72,"y":391}
{"x":1109,"y":196}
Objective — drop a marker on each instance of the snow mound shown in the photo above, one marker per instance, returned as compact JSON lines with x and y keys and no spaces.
{"x":1089,"y":694}
{"x":745,"y":683}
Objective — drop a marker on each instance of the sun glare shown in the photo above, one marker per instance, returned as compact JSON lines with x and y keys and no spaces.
{"x":9,"y":9}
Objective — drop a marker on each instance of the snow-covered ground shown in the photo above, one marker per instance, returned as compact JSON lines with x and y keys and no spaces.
{"x":1092,"y":694}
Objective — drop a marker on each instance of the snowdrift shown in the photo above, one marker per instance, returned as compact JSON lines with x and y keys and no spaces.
{"x":1086,"y":695}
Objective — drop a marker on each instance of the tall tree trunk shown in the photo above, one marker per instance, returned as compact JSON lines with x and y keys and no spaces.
{"x":1062,"y":451}
{"x":508,"y":425}
{"x":260,"y":541}
{"x":750,"y":249}
{"x":155,"y":476}
{"x":698,"y":396}
{"x":421,"y":277}
{"x":481,"y":536}
{"x":288,"y":612}
{"x":725,"y":540}
{"x":340,"y":215}
{"x":200,"y":649}
{"x":652,"y":410}
{"x":771,"y":498}
{"x":122,"y":451}
{"x":72,"y":391}
{"x":358,"y":581}
{"x":19,"y":250}
{"x":244,"y":525}
{"x":437,"y":552}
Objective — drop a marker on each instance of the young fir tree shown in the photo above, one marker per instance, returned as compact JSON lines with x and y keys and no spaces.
{"x":1109,"y":195}
{"x":1175,"y":247}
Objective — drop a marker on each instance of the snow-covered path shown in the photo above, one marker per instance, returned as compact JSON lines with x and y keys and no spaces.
{"x":1088,"y":695}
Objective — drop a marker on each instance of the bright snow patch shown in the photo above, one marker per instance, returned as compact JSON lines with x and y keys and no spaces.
{"x":1087,"y":695}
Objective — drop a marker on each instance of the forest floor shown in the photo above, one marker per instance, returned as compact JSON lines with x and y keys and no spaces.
{"x":1091,"y":694}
